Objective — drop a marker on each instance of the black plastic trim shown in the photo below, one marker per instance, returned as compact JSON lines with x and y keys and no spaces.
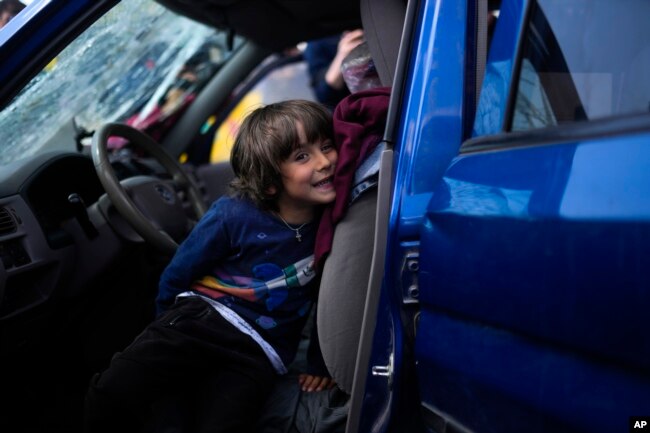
{"x":404,"y":58}
{"x":514,"y":82}
{"x":578,"y":131}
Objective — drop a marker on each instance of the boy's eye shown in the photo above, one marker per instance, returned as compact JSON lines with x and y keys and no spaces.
{"x":327,"y":146}
{"x":301,"y":156}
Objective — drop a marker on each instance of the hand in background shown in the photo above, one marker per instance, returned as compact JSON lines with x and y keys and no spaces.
{"x":349,"y":41}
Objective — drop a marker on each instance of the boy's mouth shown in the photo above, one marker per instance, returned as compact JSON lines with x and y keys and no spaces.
{"x":327,"y":181}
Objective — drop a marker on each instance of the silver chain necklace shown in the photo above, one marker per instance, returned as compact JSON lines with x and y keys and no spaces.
{"x":297,"y":230}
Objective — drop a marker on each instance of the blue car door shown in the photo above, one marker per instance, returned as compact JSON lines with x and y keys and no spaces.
{"x":430,"y":113}
{"x":534,"y":251}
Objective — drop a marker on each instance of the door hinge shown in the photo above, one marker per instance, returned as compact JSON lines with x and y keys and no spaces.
{"x":410,"y":285}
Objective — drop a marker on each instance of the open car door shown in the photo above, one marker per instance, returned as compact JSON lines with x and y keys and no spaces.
{"x":534,"y":261}
{"x":517,"y":265}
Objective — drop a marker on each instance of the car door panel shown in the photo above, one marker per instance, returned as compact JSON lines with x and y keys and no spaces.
{"x":534,"y":287}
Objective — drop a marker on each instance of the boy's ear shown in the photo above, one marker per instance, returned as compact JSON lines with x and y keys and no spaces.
{"x":271,"y":190}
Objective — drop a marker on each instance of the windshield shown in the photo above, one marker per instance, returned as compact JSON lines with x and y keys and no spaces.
{"x":139,"y":64}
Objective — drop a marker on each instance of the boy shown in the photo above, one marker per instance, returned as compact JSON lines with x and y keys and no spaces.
{"x":243,"y":284}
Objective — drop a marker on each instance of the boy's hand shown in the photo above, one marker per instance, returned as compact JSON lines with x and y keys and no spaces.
{"x":310,"y":383}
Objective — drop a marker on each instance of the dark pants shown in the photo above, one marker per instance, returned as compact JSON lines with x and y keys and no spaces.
{"x":222,"y":375}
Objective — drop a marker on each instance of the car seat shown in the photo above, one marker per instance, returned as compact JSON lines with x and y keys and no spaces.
{"x":346,"y":272}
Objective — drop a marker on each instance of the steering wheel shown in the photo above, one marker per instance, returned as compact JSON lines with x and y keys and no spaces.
{"x":150,"y":205}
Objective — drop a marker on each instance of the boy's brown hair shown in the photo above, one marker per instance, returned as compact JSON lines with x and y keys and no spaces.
{"x":266,"y":138}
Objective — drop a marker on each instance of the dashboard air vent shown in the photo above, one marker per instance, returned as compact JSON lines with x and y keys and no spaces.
{"x":7,"y":222}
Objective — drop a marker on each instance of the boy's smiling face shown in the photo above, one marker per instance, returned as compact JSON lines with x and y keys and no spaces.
{"x":307,"y":178}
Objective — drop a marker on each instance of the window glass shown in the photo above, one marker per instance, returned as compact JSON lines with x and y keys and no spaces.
{"x":583,"y":60}
{"x":289,"y":81}
{"x":139,"y":64}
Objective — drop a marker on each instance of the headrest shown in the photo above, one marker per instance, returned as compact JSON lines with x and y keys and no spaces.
{"x":383,"y":22}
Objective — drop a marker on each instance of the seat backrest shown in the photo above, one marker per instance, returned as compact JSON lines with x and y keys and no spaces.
{"x":215,"y":179}
{"x":343,"y":289}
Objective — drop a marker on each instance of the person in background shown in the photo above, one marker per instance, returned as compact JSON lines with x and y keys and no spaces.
{"x":8,"y":10}
{"x":324,"y":58}
{"x":236,"y":295}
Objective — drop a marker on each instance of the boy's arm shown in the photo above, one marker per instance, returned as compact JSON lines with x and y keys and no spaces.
{"x":317,"y":377}
{"x":195,"y":258}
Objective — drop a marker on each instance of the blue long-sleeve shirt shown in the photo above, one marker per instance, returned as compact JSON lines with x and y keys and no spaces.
{"x":248,"y":262}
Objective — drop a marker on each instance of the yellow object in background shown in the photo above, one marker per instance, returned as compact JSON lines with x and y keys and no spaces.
{"x":225,"y":135}
{"x":51,"y":65}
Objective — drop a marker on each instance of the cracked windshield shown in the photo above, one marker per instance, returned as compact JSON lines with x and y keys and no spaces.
{"x":140,"y":64}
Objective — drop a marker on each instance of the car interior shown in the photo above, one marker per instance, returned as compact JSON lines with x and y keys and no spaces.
{"x":84,"y":237}
{"x":114,"y":138}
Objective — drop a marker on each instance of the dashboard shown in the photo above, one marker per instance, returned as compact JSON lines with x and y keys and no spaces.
{"x":52,"y":233}
{"x":62,"y":241}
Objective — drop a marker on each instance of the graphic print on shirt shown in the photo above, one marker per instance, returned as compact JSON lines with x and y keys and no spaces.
{"x":269,"y":283}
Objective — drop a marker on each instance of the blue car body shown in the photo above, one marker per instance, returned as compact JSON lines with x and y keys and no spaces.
{"x":516,"y":287}
{"x":532,"y":246}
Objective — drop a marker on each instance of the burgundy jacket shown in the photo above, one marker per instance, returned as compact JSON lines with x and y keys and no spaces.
{"x":359,"y":123}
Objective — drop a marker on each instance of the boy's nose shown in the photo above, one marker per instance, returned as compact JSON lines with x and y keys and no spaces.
{"x":324,"y":161}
